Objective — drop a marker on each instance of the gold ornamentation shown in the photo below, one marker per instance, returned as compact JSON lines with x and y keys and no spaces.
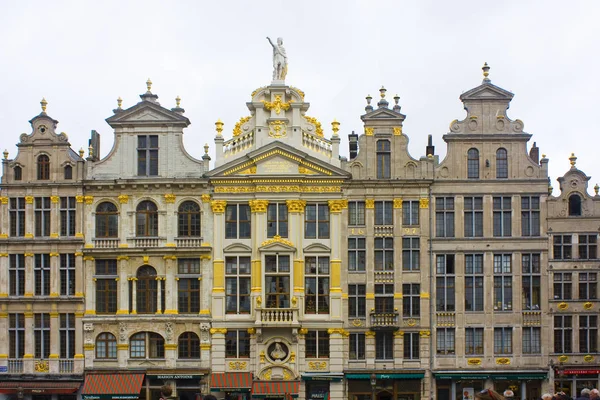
{"x":370,"y":334}
{"x":370,"y":203}
{"x":316,"y":123}
{"x":120,"y":258}
{"x":146,"y":259}
{"x":28,"y":236}
{"x":302,"y":331}
{"x":258,"y":206}
{"x":503,"y":361}
{"x":88,"y":199}
{"x":398,"y":202}
{"x":267,"y":374}
{"x":317,"y":366}
{"x":205,"y":346}
{"x":588,"y":305}
{"x":237,"y":365}
{"x":218,"y":206}
{"x":258,"y":90}
{"x":562,"y":306}
{"x":277,"y":239}
{"x":219,"y":127}
{"x":28,"y":254}
{"x":300,"y":92}
{"x":588,"y":358}
{"x":214,"y":331}
{"x":171,"y":346}
{"x":276,"y":105}
{"x":369,"y":131}
{"x":336,"y":206}
{"x":41,"y":366}
{"x":296,"y":206}
{"x":205,"y":198}
{"x":292,"y":357}
{"x":258,"y":301}
{"x":411,"y":322}
{"x":563,"y":358}
{"x":287,"y":375}
{"x":122,"y":346}
{"x":80,"y":235}
{"x":54,"y":254}
{"x":294,"y":301}
{"x":338,"y":331}
{"x":262,"y":356}
{"x":425,"y":334}
{"x":335,"y":127}
{"x":423,"y":203}
{"x":474,"y":361}
{"x":251,"y":331}
{"x":29,"y":199}
{"x":237,"y":129}
{"x":123,"y":198}
{"x":54,"y":199}
{"x":572,"y":160}
{"x":357,"y":322}
{"x":4,"y":200}
{"x":397,"y":131}
{"x":79,"y":199}
{"x":424,"y":295}
{"x":54,"y":235}
{"x":205,"y":257}
{"x":399,"y":334}
{"x":89,"y":346}
{"x":277,"y":129}
{"x":170,"y":198}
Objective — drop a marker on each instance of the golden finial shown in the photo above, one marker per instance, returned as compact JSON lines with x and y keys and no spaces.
{"x":219,"y":125}
{"x":177,"y":101}
{"x":486,"y":71}
{"x":205,"y":148}
{"x":369,"y":98}
{"x":335,"y":127}
{"x":91,"y":150}
{"x":543,"y":156}
{"x":119,"y":102}
{"x":382,"y":92}
{"x":572,"y":160}
{"x":44,"y":103}
{"x":596,"y":189}
{"x":81,"y":152}
{"x":6,"y":155}
{"x":149,"y":84}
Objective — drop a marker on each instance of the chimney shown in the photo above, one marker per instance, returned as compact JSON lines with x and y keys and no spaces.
{"x":430,"y":149}
{"x":95,"y":143}
{"x":353,"y":142}
{"x":534,"y":153}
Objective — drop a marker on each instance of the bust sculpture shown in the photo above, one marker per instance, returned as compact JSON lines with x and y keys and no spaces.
{"x":279,"y":60}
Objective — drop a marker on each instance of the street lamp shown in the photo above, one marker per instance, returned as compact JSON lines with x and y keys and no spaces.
{"x":561,"y":373}
{"x":20,"y":393}
{"x":373,"y":384}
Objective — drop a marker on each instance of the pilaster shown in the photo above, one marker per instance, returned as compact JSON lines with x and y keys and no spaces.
{"x":90,"y":292}
{"x":54,"y":275}
{"x":335,"y":292}
{"x":296,"y":235}
{"x":218,"y":349}
{"x":29,"y":276}
{"x":122,"y":285}
{"x":218,"y":275}
{"x":4,"y":264}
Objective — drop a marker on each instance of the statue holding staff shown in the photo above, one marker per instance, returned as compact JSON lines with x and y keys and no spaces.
{"x":279,"y":60}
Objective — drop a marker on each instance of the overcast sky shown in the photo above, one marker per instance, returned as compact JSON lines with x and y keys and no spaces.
{"x":82,"y":55}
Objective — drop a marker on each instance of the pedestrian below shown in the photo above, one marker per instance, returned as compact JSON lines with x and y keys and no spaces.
{"x":594,"y":394}
{"x":166,"y":393}
{"x":488,"y":394}
{"x":585,"y":394}
{"x":546,"y":396}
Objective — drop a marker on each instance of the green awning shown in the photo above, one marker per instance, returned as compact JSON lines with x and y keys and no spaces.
{"x":463,"y":376}
{"x":386,"y":376}
{"x":523,"y":376}
{"x":322,"y":377}
{"x":500,"y":376}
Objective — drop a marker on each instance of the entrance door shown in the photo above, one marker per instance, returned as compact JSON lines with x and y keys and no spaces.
{"x":385,"y":396}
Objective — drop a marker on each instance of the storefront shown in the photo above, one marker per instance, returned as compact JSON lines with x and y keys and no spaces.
{"x":40,"y":390}
{"x":112,"y":386}
{"x":233,"y":385}
{"x":318,"y":386}
{"x":573,"y":380}
{"x":275,"y":390}
{"x":462,"y":386}
{"x":185,"y":385}
{"x":389,"y":386}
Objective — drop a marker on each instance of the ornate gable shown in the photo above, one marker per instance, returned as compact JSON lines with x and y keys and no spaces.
{"x":147,"y":113}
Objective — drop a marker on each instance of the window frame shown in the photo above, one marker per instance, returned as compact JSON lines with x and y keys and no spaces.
{"x":445,"y":283}
{"x":563,"y":334}
{"x":384,"y":298}
{"x":473,"y":163}
{"x":384,"y":254}
{"x":67,"y":335}
{"x":17,"y":216}
{"x":384,"y":213}
{"x":41,"y":329}
{"x":317,"y":270}
{"x":235,"y":227}
{"x":239,"y":279}
{"x":16,"y":335}
{"x":147,"y":155}
{"x":68,"y":216}
{"x":575,"y":203}
{"x":502,"y":216}
{"x":587,"y":246}
{"x":43,"y":167}
{"x":383,"y":157}
{"x":410,"y":213}
{"x":562,"y":283}
{"x":503,"y":282}
{"x":106,"y":346}
{"x":146,"y":219}
{"x":473,"y":216}
{"x":503,"y":341}
{"x":150,"y":343}
{"x":17,"y":274}
{"x":280,"y":276}
{"x":356,"y":213}
{"x":530,"y":216}
{"x":531,"y":269}
{"x":384,"y":345}
{"x":107,"y":219}
{"x":411,"y":253}
{"x":474,"y":341}
{"x":501,"y":163}
{"x":43,"y":216}
{"x":239,"y":341}
{"x":562,"y":247}
{"x":189,"y":219}
{"x":357,"y":300}
{"x":474,"y":283}
{"x":317,"y":344}
{"x":532,"y":340}
{"x":588,"y":334}
{"x":41,"y":272}
{"x":317,"y":227}
{"x":444,"y":217}
{"x":588,"y":287}
{"x":189,"y":273}
{"x":357,"y":346}
{"x":277,"y":220}
{"x":67,"y":270}
{"x":106,"y":295}
{"x":411,"y":346}
{"x":188,"y":346}
{"x":357,"y":256}
{"x":411,"y":300}
{"x":147,"y":296}
{"x":446,"y":337}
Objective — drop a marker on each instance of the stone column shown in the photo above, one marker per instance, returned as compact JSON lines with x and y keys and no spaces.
{"x":29,"y":275}
{"x":81,"y":274}
{"x":258,"y":208}
{"x":78,"y":357}
{"x":54,"y":275}
{"x":337,"y":349}
{"x":170,"y":285}
{"x":218,"y":297}
{"x":124,"y":220}
{"x":90,"y":288}
{"x":29,"y":217}
{"x":122,"y":354}
{"x":370,"y":349}
{"x":123,"y":286}
{"x":4,"y":218}
{"x":29,"y":343}
{"x":4,"y":289}
{"x":169,"y":224}
{"x":398,"y":349}
{"x":205,"y":292}
{"x":171,"y":354}
{"x":133,"y":295}
{"x":296,"y":236}
{"x":3,"y":343}
{"x":55,"y":334}
{"x":335,"y":292}
{"x":79,"y":211}
{"x":159,"y":280}
{"x":218,"y":349}
{"x":55,"y":217}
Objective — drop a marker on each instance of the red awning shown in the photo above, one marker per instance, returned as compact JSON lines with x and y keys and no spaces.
{"x":33,"y":387}
{"x":230,"y":381}
{"x":275,"y":388}
{"x":112,"y":384}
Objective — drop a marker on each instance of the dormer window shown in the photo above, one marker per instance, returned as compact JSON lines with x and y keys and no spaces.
{"x":147,"y":155}
{"x":68,"y":172}
{"x":383,"y":159}
{"x":43,"y":167}
{"x":17,"y":173}
{"x":473,"y":164}
{"x":575,"y":205}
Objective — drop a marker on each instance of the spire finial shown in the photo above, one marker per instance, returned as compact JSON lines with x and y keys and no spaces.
{"x":177,"y":101}
{"x":596,"y":189}
{"x":44,"y":103}
{"x":6,"y":157}
{"x":81,"y":152}
{"x":205,"y":148}
{"x":149,"y":84}
{"x":91,"y":151}
{"x":572,"y":160}
{"x":486,"y":72}
{"x":335,"y":127}
{"x":382,"y":92}
{"x":219,"y":125}
{"x":119,"y":102}
{"x":369,"y":98}
{"x":397,"y":99}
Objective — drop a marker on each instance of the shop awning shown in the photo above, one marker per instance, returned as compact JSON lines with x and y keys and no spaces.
{"x":231,"y":381}
{"x":33,"y":387}
{"x":497,"y":376}
{"x":112,"y":386}
{"x":275,"y":388}
{"x":387,"y":376}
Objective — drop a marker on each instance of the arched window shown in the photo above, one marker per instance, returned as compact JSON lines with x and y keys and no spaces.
{"x":147,"y":345}
{"x":473,"y":164}
{"x":147,"y":290}
{"x":383,"y":159}
{"x":68,"y":172}
{"x":107,"y":220}
{"x":146,"y":219}
{"x":18,"y":173}
{"x":106,"y":346}
{"x":575,"y":205}
{"x":43,"y":167}
{"x":189,"y":219}
{"x":189,"y":345}
{"x":501,"y":163}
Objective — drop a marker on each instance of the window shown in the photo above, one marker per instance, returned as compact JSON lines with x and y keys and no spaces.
{"x":411,"y":346}
{"x":501,"y":164}
{"x":146,"y":345}
{"x":588,"y":334}
{"x":316,"y":283}
{"x":317,"y":344}
{"x":445,"y":287}
{"x":588,"y":285}
{"x":444,"y":216}
{"x":277,"y":281}
{"x":18,"y":173}
{"x":383,"y":159}
{"x":67,"y":335}
{"x":41,"y":332}
{"x":188,"y":294}
{"x":574,"y":205}
{"x":147,"y":150}
{"x":530,"y":215}
{"x":16,"y":335}
{"x":410,"y":213}
{"x":68,"y":172}
{"x":189,"y":345}
{"x":532,"y":340}
{"x":562,"y":247}
{"x":474,"y":282}
{"x":474,"y":341}
{"x":503,"y":341}
{"x":384,"y":254}
{"x":587,"y":246}
{"x":410,"y":254}
{"x":357,"y":301}
{"x":357,"y":254}
{"x":41,"y":271}
{"x":411,"y":300}
{"x":237,"y":285}
{"x":277,"y":220}
{"x":43,"y":167}
{"x":106,"y":346}
{"x":107,"y":220}
{"x":562,"y":286}
{"x":316,"y":221}
{"x":67,"y":274}
{"x":16,"y":274}
{"x":384,"y":213}
{"x":384,"y":346}
{"x":146,"y":219}
{"x":237,"y":344}
{"x":502,"y":216}
{"x":530,"y":264}
{"x":503,"y":288}
{"x":146,"y":290}
{"x":563,"y":334}
{"x":67,"y":216}
{"x":357,"y":346}
{"x":237,"y":221}
{"x":384,"y":298}
{"x":17,"y":216}
{"x":356,"y":213}
{"x":106,"y":286}
{"x":473,"y":164}
{"x":445,"y":341}
{"x":42,"y":216}
{"x":473,"y":216}
{"x":188,"y":216}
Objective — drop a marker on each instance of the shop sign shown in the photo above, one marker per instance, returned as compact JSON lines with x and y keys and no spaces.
{"x":322,"y":378}
{"x":581,"y":371}
{"x":175,"y":376}
{"x":3,"y":368}
{"x":110,"y":396}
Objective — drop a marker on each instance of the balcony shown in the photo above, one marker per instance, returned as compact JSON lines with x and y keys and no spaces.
{"x":188,"y":242}
{"x":145,"y":242}
{"x":385,"y":320}
{"x":106,"y":243}
{"x":384,"y":276}
{"x":15,"y":366}
{"x":532,"y":318}
{"x":277,"y":317}
{"x":66,"y":366}
{"x":384,"y":230}
{"x":445,"y":318}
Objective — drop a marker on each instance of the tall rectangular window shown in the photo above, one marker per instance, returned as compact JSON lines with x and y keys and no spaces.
{"x":67,"y":335}
{"x":588,"y":334}
{"x":411,"y":300}
{"x":317,"y":344}
{"x":277,"y":220}
{"x":503,"y":287}
{"x":147,"y":151}
{"x":384,"y":345}
{"x":237,"y":221}
{"x":42,"y":216}
{"x":502,"y":216}
{"x":16,"y":336}
{"x":531,"y":275}
{"x":106,"y":286}
{"x":356,"y":213}
{"x":357,"y":346}
{"x":410,"y":212}
{"x":474,"y":282}
{"x":316,"y":285}
{"x":357,"y":301}
{"x":473,"y":216}
{"x":411,"y":254}
{"x":67,"y":274}
{"x":532,"y":340}
{"x":473,"y":164}
{"x":357,"y":254}
{"x":316,"y":221}
{"x":17,"y":216}
{"x":445,"y":341}
{"x":188,"y":295}
{"x":530,"y":215}
{"x":445,"y":283}
{"x":563,"y":334}
{"x":277,"y":281}
{"x":16,"y":274}
{"x":237,"y":285}
{"x":563,"y":247}
{"x":383,"y":159}
{"x":588,"y":285}
{"x":67,"y":216}
{"x":384,"y":298}
{"x":237,"y":344}
{"x":474,"y":341}
{"x":41,"y":270}
{"x":411,"y":346}
{"x":503,"y":341}
{"x":41,"y":332}
{"x":588,"y":247}
{"x":444,"y":217}
{"x":563,"y":286}
{"x":384,"y":254}
{"x":384,"y":213}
